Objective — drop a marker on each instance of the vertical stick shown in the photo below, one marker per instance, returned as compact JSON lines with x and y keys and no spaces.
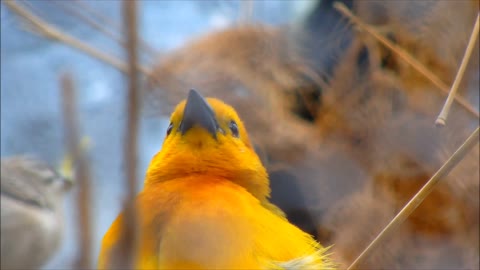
{"x":128,"y":246}
{"x":82,"y":173}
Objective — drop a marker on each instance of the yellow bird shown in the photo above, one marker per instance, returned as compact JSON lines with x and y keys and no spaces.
{"x":205,"y":202}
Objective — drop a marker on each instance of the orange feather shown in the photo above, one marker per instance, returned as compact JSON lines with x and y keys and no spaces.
{"x":205,"y":202}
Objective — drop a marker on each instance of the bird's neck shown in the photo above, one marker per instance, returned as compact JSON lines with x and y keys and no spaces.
{"x":255,"y":182}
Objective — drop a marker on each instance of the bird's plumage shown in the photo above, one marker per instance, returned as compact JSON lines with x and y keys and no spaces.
{"x":31,"y":212}
{"x":205,"y":202}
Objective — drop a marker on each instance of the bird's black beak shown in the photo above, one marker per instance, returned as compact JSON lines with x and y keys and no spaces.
{"x":197,"y":112}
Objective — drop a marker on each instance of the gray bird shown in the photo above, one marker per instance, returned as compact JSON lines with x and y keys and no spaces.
{"x":31,"y":212}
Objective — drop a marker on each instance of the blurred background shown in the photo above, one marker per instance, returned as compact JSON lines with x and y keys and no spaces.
{"x":354,"y":129}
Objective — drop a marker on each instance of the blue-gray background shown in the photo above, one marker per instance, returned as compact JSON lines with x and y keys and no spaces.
{"x":31,"y":117}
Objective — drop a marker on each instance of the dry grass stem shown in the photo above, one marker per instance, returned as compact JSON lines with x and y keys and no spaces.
{"x":82,"y":173}
{"x":71,"y":10}
{"x":53,"y":33}
{"x":418,"y":198}
{"x":405,"y":56}
{"x":129,"y":242}
{"x":442,"y":117}
{"x":144,"y":46}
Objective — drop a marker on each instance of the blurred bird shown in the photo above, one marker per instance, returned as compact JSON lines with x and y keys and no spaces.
{"x":205,"y":202}
{"x":31,"y":212}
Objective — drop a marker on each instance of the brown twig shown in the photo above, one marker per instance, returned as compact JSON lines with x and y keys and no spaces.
{"x":419,"y":197}
{"x":82,"y":173}
{"x":53,"y":33}
{"x":405,"y":56}
{"x":442,"y":117}
{"x":129,"y":242}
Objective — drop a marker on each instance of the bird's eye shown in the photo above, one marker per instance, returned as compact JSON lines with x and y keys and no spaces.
{"x":169,"y":129}
{"x":51,"y":179}
{"x":234,"y":128}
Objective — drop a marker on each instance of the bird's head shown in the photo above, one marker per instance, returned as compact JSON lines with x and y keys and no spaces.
{"x":32,"y":181}
{"x":206,"y":137}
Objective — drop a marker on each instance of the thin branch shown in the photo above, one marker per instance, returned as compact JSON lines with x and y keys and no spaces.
{"x":442,"y":117}
{"x":419,"y":197}
{"x":130,"y":14}
{"x":151,"y":52}
{"x":82,"y":173}
{"x":405,"y":56}
{"x":67,"y":7}
{"x":129,"y":243}
{"x":53,"y":33}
